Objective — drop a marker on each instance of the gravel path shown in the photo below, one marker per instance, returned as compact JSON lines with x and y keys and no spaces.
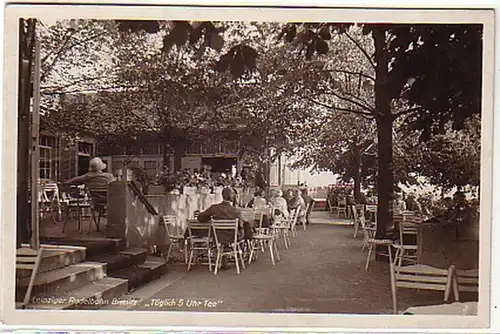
{"x":322,"y":272}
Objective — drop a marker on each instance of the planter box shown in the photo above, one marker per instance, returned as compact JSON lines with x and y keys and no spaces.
{"x":441,"y":245}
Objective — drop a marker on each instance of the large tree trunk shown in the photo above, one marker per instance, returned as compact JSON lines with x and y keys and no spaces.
{"x":384,"y":130}
{"x":26,"y":46}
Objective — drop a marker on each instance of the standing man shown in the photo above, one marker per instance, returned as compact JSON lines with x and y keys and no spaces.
{"x":307,"y":200}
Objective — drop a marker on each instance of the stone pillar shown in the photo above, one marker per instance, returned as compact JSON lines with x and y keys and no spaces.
{"x":117,"y":198}
{"x":129,"y":219}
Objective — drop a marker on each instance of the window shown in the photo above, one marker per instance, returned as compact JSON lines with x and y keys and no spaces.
{"x":150,"y":168}
{"x":85,"y":149}
{"x":150,"y":149}
{"x":47,"y":163}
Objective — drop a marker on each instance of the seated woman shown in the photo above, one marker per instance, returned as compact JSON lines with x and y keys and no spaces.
{"x":259,"y":202}
{"x":298,"y":203}
{"x":280,"y":204}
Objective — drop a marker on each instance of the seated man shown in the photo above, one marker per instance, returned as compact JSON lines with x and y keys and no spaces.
{"x":95,"y":180}
{"x":226,"y":210}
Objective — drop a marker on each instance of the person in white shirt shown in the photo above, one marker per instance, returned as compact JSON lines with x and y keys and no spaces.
{"x":280,"y":203}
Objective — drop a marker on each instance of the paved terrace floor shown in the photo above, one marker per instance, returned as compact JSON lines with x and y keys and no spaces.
{"x":322,"y":272}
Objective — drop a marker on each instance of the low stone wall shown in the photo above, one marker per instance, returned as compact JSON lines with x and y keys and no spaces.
{"x":129,"y":218}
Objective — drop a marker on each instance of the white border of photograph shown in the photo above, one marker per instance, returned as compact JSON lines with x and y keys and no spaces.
{"x":260,"y":321}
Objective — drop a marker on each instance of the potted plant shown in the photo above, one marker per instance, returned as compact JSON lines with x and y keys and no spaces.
{"x":141,"y":177}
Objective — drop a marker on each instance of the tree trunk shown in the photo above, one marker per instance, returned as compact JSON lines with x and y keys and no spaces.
{"x":166,"y":151}
{"x":357,"y":177}
{"x":179,"y":153}
{"x":384,"y":119}
{"x":26,"y":45}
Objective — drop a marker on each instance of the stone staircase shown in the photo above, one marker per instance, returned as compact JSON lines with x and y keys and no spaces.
{"x":89,"y":274}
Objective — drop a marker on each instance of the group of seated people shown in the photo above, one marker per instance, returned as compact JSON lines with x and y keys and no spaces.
{"x":282,"y":208}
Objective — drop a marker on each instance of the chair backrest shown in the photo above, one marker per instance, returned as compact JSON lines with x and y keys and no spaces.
{"x":225,"y":226}
{"x":467,"y":280}
{"x":196,"y":214}
{"x":342,"y":202}
{"x":422,"y":277}
{"x":28,"y":259}
{"x":99,"y":197}
{"x":371,"y":208}
{"x":197,"y":229}
{"x":406,"y":228}
{"x":170,"y":222}
{"x":354,"y":212}
{"x":294,"y":217}
{"x":247,"y":214}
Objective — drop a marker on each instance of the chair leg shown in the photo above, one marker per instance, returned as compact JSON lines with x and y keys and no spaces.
{"x":169,"y":250}
{"x":236,"y":260}
{"x":393,"y":288}
{"x":185,"y":252}
{"x":217,"y":261}
{"x":252,"y":250}
{"x":272,"y":254}
{"x":370,"y":246}
{"x":65,"y":220}
{"x":191,"y":255}
{"x":240,"y":252}
{"x":401,"y":255}
{"x":209,"y":251}
{"x":275,"y":245}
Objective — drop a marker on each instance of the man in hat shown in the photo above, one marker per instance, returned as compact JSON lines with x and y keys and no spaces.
{"x":95,"y":179}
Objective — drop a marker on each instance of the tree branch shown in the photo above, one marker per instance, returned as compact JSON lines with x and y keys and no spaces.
{"x":352,"y":111}
{"x":356,"y":103}
{"x":407,"y":112}
{"x":361,"y":48}
{"x":351,"y":72}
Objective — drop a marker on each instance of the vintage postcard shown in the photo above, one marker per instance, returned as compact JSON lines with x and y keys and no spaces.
{"x":256,"y":167}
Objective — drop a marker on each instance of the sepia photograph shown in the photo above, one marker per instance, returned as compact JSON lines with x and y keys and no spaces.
{"x":310,"y":163}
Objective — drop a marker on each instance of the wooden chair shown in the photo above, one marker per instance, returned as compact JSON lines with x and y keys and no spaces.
{"x":419,"y":277}
{"x":368,"y":230}
{"x":372,"y":209}
{"x":332,"y":205}
{"x":98,"y":206}
{"x":28,"y":259}
{"x":293,"y":222}
{"x":74,"y":201}
{"x":227,"y":242}
{"x":342,"y":207}
{"x":404,"y":250}
{"x":264,"y":236}
{"x":373,"y":243}
{"x":464,"y":281}
{"x":199,"y":241}
{"x":174,"y":237}
{"x":282,"y":227}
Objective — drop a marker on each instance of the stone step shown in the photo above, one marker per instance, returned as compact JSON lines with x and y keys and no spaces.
{"x":62,"y":280}
{"x":94,"y":246}
{"x":122,"y":260}
{"x":150,"y":270}
{"x":55,"y":258}
{"x":103,"y":292}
